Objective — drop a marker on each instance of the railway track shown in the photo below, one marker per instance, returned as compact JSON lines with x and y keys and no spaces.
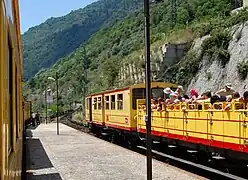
{"x":177,"y":157}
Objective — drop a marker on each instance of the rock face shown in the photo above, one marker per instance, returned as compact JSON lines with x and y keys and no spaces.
{"x":212,"y":76}
{"x":166,"y":56}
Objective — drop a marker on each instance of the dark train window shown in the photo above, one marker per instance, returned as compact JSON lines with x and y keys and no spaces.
{"x":119,"y":101}
{"x":140,"y":93}
{"x":113,"y":102}
{"x":95,"y":103}
{"x":99,"y":102}
{"x":10,"y":89}
{"x":107,"y":102}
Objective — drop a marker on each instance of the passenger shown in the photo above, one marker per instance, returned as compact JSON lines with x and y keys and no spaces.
{"x":37,"y":117}
{"x":244,"y":99}
{"x":205,"y":98}
{"x":214,"y":99}
{"x":226,"y":91}
{"x":179,"y":91}
{"x":236,"y":95}
{"x":160,"y":104}
{"x":167,"y":92}
{"x":33,"y":118}
{"x":173,"y":97}
{"x":155,"y":104}
{"x":193,"y":94}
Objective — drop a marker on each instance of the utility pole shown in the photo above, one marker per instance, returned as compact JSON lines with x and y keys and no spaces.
{"x":173,"y":12}
{"x":148,"y":90}
{"x":46,"y":102}
{"x":84,"y":76}
{"x":57,"y":88}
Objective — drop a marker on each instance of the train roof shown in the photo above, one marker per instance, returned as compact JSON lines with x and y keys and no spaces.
{"x":140,"y":85}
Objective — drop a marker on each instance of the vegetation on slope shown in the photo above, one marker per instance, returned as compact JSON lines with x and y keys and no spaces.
{"x":43,"y":45}
{"x":123,"y":41}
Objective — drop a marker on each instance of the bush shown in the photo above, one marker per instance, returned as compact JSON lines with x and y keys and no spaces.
{"x":243,"y":69}
{"x":216,"y":47}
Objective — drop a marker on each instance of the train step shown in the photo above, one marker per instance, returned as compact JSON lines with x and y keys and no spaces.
{"x":218,"y":157}
{"x":192,"y":151}
{"x":104,"y":134}
{"x":171,"y":146}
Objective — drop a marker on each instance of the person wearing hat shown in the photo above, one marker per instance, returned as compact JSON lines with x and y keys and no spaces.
{"x":227,"y":91}
{"x":167,"y":92}
{"x":179,"y":90}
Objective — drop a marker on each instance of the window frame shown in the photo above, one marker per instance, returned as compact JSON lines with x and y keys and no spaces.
{"x":107,"y":106}
{"x":99,"y":103}
{"x":94,"y":104}
{"x":113,"y":106}
{"x":120,"y":102}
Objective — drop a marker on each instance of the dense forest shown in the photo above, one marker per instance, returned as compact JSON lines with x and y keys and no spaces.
{"x":43,"y":45}
{"x":94,"y":66}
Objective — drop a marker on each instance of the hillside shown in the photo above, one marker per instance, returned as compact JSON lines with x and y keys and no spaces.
{"x":122,"y":44}
{"x":43,"y":45}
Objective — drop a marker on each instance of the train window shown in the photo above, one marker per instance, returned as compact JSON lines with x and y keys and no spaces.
{"x":99,"y":103}
{"x":119,"y":101}
{"x":138,"y":94}
{"x":107,"y":102}
{"x":112,"y":102}
{"x":10,"y":89}
{"x":95,"y":103}
{"x":157,"y":93}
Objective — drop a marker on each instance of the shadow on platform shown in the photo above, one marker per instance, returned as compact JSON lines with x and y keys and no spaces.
{"x":37,"y":157}
{"x":54,"y":176}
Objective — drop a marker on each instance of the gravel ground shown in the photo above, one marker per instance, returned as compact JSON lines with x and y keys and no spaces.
{"x":74,"y":155}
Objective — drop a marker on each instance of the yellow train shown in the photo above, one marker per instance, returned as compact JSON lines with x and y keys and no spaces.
{"x":11,"y":112}
{"x":117,"y":109}
{"x":203,"y":127}
{"x":27,"y":108}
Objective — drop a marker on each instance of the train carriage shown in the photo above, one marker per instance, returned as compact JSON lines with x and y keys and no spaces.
{"x":27,"y":108}
{"x":11,"y":114}
{"x":200,"y":127}
{"x":118,"y":107}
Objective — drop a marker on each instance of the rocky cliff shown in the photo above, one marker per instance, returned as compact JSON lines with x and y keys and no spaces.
{"x":213,"y":76}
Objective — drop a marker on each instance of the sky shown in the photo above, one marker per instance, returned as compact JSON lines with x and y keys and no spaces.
{"x":34,"y":12}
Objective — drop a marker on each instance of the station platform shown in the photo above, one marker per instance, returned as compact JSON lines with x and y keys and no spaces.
{"x":74,"y":155}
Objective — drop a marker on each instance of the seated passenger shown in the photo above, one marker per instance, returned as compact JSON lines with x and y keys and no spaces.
{"x":205,"y":98}
{"x":226,"y":91}
{"x":154,"y":104}
{"x":167,"y":92}
{"x":193,"y":94}
{"x":179,"y":91}
{"x":173,"y":97}
{"x":244,"y":99}
{"x":160,"y":104}
{"x":232,"y":99}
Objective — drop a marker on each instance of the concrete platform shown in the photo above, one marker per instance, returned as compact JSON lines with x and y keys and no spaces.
{"x":74,"y":155}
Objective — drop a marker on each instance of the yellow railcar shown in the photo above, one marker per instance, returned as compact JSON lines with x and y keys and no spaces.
{"x":116,"y":109}
{"x":11,"y":114}
{"x":27,"y":107}
{"x":203,"y":126}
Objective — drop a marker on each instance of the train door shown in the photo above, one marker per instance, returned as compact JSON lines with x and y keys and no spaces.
{"x":90,"y":108}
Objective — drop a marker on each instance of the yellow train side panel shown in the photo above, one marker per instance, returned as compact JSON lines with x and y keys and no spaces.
{"x":11,"y":117}
{"x":117,"y":113}
{"x":97,"y":109}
